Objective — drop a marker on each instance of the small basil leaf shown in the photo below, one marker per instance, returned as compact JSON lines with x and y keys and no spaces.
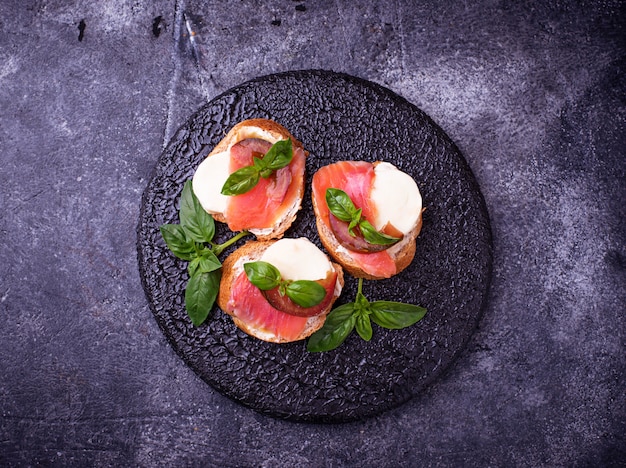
{"x":395,"y":315}
{"x":361,"y":304}
{"x":356,"y":219}
{"x":193,"y":266}
{"x":338,"y":325}
{"x":241,"y":181}
{"x":177,"y":241}
{"x":208,"y":262}
{"x":340,"y":205}
{"x":306,"y":293}
{"x":200,"y":295}
{"x":262,"y":274}
{"x":371,"y":235}
{"x":364,"y":326}
{"x":197,"y":222}
{"x":259,"y":163}
{"x":279,"y":155}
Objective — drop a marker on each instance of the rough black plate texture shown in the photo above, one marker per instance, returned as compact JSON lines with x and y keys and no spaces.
{"x":336,"y":117}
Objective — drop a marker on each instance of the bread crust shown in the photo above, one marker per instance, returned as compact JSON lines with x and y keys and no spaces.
{"x":251,"y":251}
{"x":246,"y":129}
{"x":401,"y":254}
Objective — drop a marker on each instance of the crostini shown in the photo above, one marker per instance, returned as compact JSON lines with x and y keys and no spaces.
{"x":238,"y":185}
{"x":263,"y":306}
{"x":374,"y":217}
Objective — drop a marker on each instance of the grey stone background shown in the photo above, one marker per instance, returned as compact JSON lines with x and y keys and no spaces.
{"x":533,"y":93}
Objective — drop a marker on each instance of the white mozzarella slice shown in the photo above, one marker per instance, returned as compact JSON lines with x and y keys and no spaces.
{"x":208,"y":181}
{"x":396,"y":197}
{"x":297,"y":259}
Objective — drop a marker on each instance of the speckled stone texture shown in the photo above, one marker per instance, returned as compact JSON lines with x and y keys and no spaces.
{"x":450,"y":275}
{"x":532,"y":93}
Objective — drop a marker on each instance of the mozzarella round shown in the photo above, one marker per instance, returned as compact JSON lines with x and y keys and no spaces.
{"x":208,"y":181}
{"x":396,"y":197}
{"x":297,"y":259}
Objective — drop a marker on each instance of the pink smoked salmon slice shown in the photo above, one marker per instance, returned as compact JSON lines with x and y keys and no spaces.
{"x":262,"y":206}
{"x":356,"y":179}
{"x":248,"y":304}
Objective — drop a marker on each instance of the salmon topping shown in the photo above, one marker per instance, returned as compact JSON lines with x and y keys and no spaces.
{"x":356,"y":178}
{"x":248,"y":304}
{"x":266,"y":203}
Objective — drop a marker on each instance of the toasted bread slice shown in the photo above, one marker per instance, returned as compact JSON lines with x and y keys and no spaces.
{"x":233,"y":267}
{"x":271,"y":132}
{"x":401,"y":253}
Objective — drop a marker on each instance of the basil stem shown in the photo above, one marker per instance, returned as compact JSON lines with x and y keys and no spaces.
{"x":219,"y":248}
{"x":245,"y":179}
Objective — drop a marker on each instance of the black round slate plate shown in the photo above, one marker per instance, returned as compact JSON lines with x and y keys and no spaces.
{"x":336,"y":117}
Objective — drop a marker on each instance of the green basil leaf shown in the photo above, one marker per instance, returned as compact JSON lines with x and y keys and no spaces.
{"x":338,"y":325}
{"x":340,"y":205}
{"x":262,"y":274}
{"x":305,"y":293}
{"x":177,"y":241}
{"x":241,"y":181}
{"x":361,"y":304}
{"x":279,"y":155}
{"x":364,"y":326}
{"x":371,"y":235}
{"x":193,"y":266}
{"x":265,"y":173}
{"x":208,"y":262}
{"x":259,"y":163}
{"x":395,"y":315}
{"x":200,"y":295}
{"x":197,"y":222}
{"x":356,"y":219}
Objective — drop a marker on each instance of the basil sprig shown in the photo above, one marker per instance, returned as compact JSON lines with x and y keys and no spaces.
{"x":192,"y":240}
{"x":359,"y":315}
{"x":340,"y":205}
{"x":243,"y":180}
{"x":266,"y":276}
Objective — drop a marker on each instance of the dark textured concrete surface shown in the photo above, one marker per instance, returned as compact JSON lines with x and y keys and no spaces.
{"x":91,"y":92}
